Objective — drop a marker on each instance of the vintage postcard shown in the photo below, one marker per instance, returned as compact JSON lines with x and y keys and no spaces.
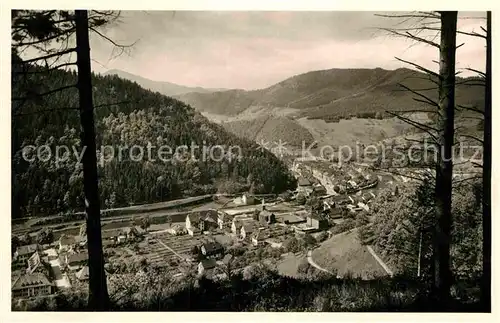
{"x":250,"y":161}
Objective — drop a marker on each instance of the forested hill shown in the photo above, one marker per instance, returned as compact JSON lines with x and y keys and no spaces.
{"x":126,"y":115}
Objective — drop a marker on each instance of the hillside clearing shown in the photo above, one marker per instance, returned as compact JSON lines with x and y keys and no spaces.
{"x":345,"y":255}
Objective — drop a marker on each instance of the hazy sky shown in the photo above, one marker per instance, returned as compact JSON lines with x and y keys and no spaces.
{"x":251,"y":50}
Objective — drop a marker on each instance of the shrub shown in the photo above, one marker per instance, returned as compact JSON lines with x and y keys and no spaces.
{"x":322,"y":236}
{"x":347,"y":225}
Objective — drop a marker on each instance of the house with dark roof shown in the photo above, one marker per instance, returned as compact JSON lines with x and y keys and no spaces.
{"x":317,"y":221}
{"x":112,"y":234}
{"x":260,"y":236}
{"x":206,"y":266}
{"x":209,"y":220}
{"x":265,"y":216}
{"x":23,"y":253}
{"x":303,"y":182}
{"x":247,"y":229}
{"x":319,"y":190}
{"x":32,"y":285}
{"x":224,"y":220}
{"x":212,"y":249}
{"x":238,"y":223}
{"x":304,"y":186}
{"x":77,"y":260}
{"x":204,"y":220}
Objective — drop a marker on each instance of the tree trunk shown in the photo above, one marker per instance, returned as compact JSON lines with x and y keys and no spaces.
{"x":444,"y":165}
{"x":486,"y":279}
{"x":98,"y":292}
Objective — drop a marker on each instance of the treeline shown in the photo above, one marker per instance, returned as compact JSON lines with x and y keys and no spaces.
{"x":365,"y":115}
{"x":126,"y":115}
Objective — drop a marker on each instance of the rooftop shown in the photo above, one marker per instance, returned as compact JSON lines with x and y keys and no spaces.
{"x":208,"y":263}
{"x":34,"y":261}
{"x":212,"y":247}
{"x":28,"y":280}
{"x":111,"y":233}
{"x":27,"y":249}
{"x":249,"y":227}
{"x":78,"y":257}
{"x":197,"y":216}
{"x":304,"y":182}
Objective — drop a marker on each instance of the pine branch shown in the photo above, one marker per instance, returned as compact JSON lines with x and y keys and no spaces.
{"x":426,"y":98}
{"x":57,"y":54}
{"x":46,"y":70}
{"x":473,"y":137}
{"x":411,"y":36}
{"x":483,"y":74}
{"x":38,"y":95}
{"x":421,"y":68}
{"x":42,"y":111}
{"x":459,"y":106}
{"x":417,"y":125}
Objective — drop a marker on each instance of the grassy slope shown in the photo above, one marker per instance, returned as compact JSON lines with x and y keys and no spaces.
{"x":345,"y":255}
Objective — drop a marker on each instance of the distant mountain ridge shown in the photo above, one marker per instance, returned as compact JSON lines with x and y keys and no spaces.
{"x":333,"y":92}
{"x":165,"y":88}
{"x":306,"y":101}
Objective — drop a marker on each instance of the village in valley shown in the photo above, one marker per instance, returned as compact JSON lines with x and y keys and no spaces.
{"x":210,"y":237}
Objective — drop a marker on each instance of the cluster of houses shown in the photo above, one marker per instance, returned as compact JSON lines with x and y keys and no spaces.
{"x":307,"y":188}
{"x":33,"y":267}
{"x":31,"y":273}
{"x":335,"y":179}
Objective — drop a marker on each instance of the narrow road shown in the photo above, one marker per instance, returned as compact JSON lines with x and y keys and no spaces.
{"x":315,"y":265}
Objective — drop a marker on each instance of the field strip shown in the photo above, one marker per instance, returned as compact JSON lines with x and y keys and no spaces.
{"x":166,"y":246}
{"x":380,"y":261}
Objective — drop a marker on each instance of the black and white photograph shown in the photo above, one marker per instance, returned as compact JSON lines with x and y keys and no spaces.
{"x":250,"y":160}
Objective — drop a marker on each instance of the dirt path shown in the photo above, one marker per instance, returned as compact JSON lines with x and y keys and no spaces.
{"x":380,"y":261}
{"x":315,"y":265}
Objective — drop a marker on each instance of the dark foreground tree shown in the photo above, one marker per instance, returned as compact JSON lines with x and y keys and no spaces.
{"x":444,"y":163}
{"x":43,"y":31}
{"x":98,"y":292}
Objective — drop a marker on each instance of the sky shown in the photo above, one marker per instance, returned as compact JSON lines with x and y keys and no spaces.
{"x":255,"y":49}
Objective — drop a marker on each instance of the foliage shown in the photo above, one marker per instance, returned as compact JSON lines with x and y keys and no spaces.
{"x":301,"y":199}
{"x":126,"y":115}
{"x":315,"y":204}
{"x":262,"y":290}
{"x":346,"y":225}
{"x":403,"y":225}
{"x":322,"y":236}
